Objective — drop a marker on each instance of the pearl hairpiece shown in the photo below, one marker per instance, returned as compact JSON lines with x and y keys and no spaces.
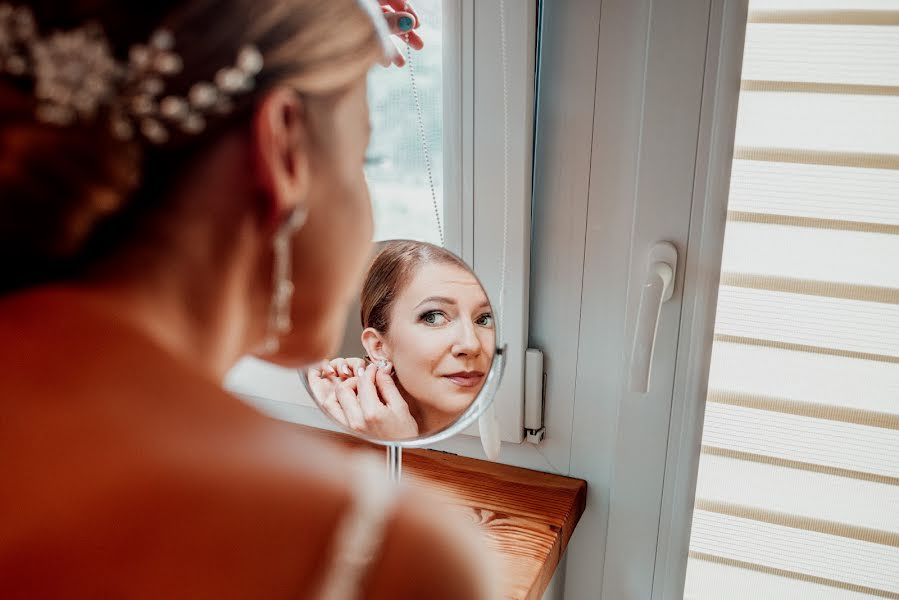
{"x":76,"y":77}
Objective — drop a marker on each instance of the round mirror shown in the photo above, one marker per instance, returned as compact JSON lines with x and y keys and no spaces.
{"x":419,"y":360}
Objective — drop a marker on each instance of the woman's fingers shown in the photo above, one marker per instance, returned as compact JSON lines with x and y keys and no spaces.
{"x":313,"y":375}
{"x":400,"y":23}
{"x":398,"y":58}
{"x":345,"y":368}
{"x":388,"y":391}
{"x":402,"y":20}
{"x":413,"y":40}
{"x":326,"y":369}
{"x":349,"y":403}
{"x":342,"y":367}
{"x":406,"y":426}
{"x":368,"y":393}
{"x":355,"y":363}
{"x":320,"y":384}
{"x":339,"y":365}
{"x":330,"y":405}
{"x":399,"y":6}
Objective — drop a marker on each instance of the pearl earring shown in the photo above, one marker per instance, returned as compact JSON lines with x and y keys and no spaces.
{"x":279,"y":322}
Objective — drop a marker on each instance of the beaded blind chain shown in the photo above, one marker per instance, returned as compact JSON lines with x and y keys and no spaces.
{"x":425,"y":147}
{"x":77,"y":79}
{"x":506,"y":150}
{"x":503,"y":260}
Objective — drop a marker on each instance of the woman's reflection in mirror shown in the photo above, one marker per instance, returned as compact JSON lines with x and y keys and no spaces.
{"x":426,"y":313}
{"x":429,"y":333}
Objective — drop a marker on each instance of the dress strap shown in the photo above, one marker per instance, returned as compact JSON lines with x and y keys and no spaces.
{"x":360,"y":532}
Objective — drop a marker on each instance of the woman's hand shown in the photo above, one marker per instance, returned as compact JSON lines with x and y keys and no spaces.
{"x":402,"y":21}
{"x":370,"y":403}
{"x":345,"y":368}
{"x":324,"y":379}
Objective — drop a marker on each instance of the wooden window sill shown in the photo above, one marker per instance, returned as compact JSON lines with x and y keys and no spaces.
{"x":528,"y":516}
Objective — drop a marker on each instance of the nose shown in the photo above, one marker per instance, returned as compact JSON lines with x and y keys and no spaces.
{"x":466,"y":343}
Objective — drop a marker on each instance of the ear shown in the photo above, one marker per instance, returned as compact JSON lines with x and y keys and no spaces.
{"x":281,"y":153}
{"x":375,"y":345}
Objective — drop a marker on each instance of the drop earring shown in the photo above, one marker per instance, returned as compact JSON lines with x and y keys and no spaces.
{"x":279,"y":321}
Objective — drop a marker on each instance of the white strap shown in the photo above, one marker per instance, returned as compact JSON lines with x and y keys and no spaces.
{"x":360,"y":532}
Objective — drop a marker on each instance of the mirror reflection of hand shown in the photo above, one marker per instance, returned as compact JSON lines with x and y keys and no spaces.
{"x":324,"y":379}
{"x":345,"y":368}
{"x":371,"y":403}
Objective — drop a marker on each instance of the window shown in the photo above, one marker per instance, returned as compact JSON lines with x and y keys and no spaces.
{"x":459,"y":69}
{"x":396,"y":165}
{"x":798,"y":487}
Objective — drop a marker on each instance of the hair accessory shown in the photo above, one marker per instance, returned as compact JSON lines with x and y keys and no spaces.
{"x":76,"y":78}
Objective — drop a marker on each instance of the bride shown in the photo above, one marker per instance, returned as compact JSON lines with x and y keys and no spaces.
{"x":181,"y":184}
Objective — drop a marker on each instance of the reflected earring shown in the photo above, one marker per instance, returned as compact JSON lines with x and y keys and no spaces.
{"x":279,"y":322}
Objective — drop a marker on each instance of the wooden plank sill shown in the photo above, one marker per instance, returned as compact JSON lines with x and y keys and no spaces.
{"x":527,"y":516}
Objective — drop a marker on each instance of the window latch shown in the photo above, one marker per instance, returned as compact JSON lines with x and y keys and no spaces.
{"x":534,"y":392}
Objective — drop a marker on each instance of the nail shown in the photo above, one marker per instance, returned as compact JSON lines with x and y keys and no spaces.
{"x":359,"y":371}
{"x":405,"y":23}
{"x":330,"y":370}
{"x":389,"y":369}
{"x":346,"y":370}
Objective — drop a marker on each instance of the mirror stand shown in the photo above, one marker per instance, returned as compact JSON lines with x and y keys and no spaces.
{"x":394,"y":462}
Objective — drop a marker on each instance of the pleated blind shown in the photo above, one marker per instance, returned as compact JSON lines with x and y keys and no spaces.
{"x":798,"y":489}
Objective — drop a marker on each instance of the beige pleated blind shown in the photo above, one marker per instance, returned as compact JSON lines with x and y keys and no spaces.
{"x":798,"y":489}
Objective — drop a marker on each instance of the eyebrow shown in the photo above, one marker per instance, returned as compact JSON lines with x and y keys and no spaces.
{"x":450,"y":301}
{"x":441,"y":299}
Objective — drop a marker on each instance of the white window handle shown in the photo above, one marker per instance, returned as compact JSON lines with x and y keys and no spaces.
{"x":657,"y":289}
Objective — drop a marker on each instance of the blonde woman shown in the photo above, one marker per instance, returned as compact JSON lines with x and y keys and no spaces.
{"x":177,"y":182}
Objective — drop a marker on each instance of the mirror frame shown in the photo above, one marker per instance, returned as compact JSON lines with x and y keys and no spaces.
{"x":482,"y":401}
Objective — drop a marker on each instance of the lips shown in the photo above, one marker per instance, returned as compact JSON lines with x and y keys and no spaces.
{"x":466,"y":378}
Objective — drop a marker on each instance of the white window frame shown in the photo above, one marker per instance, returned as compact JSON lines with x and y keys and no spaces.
{"x":667,"y":86}
{"x":473,"y":130}
{"x":694,"y":350}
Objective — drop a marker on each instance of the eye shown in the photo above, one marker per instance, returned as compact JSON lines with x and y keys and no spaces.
{"x":485,"y":320}
{"x":433,"y":318}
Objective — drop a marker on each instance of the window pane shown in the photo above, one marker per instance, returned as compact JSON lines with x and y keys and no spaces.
{"x":396,"y":164}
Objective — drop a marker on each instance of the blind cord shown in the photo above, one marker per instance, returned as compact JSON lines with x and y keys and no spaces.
{"x":502,"y":284}
{"x":421,"y":133}
{"x":427,"y":156}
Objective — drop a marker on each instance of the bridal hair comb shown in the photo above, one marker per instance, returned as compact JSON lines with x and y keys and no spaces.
{"x":76,"y":78}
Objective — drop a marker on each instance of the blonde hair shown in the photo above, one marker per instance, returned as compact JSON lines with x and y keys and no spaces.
{"x":389,"y":274}
{"x":65,"y":190}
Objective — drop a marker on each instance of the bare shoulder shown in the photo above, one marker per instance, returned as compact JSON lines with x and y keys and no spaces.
{"x":432,"y":552}
{"x":428,"y":550}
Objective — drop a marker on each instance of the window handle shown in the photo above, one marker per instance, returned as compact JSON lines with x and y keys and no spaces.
{"x":658,"y":287}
